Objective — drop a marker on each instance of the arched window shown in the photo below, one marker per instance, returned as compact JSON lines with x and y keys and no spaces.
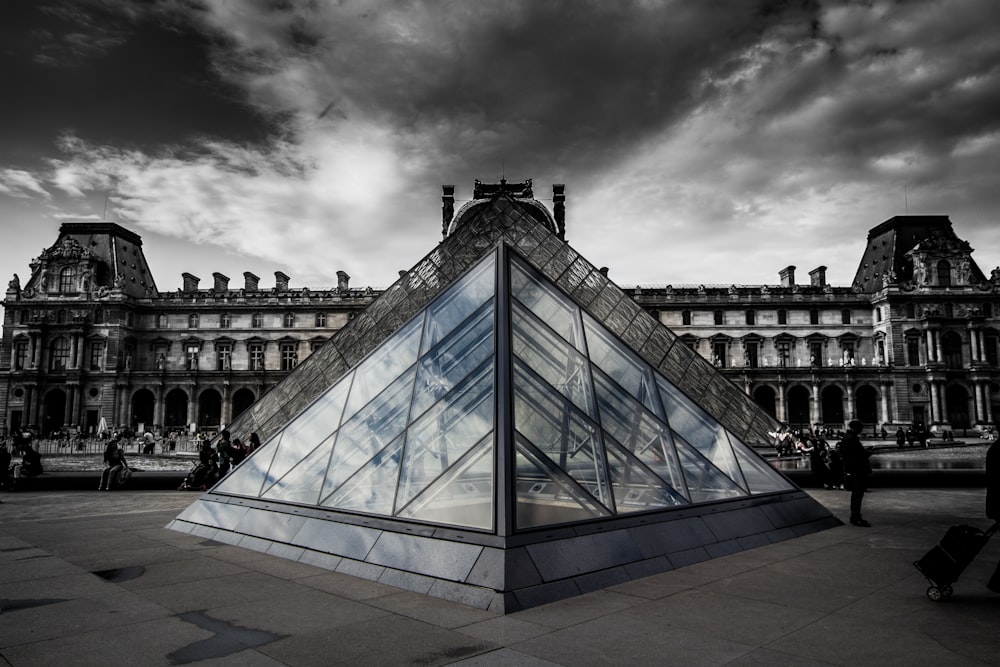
{"x":944,"y":273}
{"x":67,"y":280}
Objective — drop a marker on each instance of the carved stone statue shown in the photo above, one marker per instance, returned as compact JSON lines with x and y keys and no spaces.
{"x":15,"y":283}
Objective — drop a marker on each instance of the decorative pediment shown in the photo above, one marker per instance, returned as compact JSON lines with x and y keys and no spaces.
{"x":67,"y":249}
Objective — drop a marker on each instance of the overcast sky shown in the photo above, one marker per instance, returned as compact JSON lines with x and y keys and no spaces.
{"x":699,"y":141}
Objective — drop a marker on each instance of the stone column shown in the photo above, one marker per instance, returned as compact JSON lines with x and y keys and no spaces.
{"x":884,"y":402}
{"x":35,"y":355}
{"x":227,"y":404}
{"x":192,"y":416}
{"x":29,"y":404}
{"x":814,"y":403}
{"x":930,"y":346}
{"x":935,"y":412}
{"x":159,"y":409}
{"x":977,"y":390}
{"x":938,"y":350}
{"x":782,"y":404}
{"x":974,"y":353}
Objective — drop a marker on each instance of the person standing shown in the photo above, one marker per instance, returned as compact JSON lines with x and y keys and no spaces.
{"x":857,"y":464}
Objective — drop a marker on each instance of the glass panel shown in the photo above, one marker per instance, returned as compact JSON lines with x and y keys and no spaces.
{"x":696,"y":427}
{"x":552,"y":358}
{"x":705,"y":482}
{"x":448,"y":363}
{"x":622,"y":366}
{"x":547,"y":303}
{"x":368,"y":432}
{"x":760,"y":476}
{"x":545,"y":496}
{"x":445,"y":433}
{"x":636,"y":488}
{"x":307,"y":430}
{"x":302,"y":483}
{"x":559,"y":431}
{"x":373,"y":488}
{"x":248,"y":477}
{"x":384,"y":365}
{"x":644,"y":436}
{"x":463,"y":496}
{"x":455,"y":305}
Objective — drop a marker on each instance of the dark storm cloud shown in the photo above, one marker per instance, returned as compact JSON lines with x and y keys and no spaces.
{"x":114,"y":72}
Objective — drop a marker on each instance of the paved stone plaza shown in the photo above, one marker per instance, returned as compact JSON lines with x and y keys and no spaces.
{"x":95,"y":579}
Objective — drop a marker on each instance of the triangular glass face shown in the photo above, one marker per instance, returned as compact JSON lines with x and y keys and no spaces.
{"x":546,"y":495}
{"x":399,"y":423}
{"x":463,"y":495}
{"x":759,"y":475}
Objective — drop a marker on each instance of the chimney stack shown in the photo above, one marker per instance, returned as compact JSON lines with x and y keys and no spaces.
{"x":190,"y":282}
{"x":787,"y":276}
{"x":280,"y":281}
{"x":559,"y":209}
{"x":221,"y":282}
{"x":343,"y":281}
{"x":818,"y":276}
{"x":251,"y":281}
{"x":447,"y":207}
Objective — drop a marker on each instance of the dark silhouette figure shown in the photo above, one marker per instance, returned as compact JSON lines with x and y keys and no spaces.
{"x":114,"y":464}
{"x":859,"y":467}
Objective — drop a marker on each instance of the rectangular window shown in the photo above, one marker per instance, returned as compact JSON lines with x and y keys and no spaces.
{"x":750,"y":356}
{"x":223,"y":357}
{"x":686,"y":318}
{"x":719,"y":350}
{"x":987,"y":309}
{"x":320,"y":319}
{"x":751,"y":317}
{"x":289,"y":357}
{"x":784,"y":352}
{"x":990,"y":345}
{"x":256,"y":356}
{"x":192,"y":357}
{"x":848,"y":354}
{"x":814,"y":316}
{"x":845,"y":316}
{"x":782,"y":316}
{"x":257,"y":321}
{"x":911,"y":311}
{"x":913,"y":351}
{"x":816,"y":354}
{"x":20,"y":356}
{"x":96,"y":356}
{"x":225,"y":321}
{"x":718,"y":318}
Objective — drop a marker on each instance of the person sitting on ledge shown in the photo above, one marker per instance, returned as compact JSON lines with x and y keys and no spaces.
{"x":114,"y":464}
{"x":30,"y":465}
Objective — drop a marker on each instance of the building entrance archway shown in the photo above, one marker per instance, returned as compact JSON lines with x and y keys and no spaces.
{"x":765,"y":398}
{"x":175,"y":409}
{"x":866,"y":405}
{"x":209,"y":409}
{"x":956,"y":400}
{"x":54,"y":412}
{"x":242,"y":399}
{"x":798,"y":407}
{"x":143,"y":403}
{"x":833,"y":406}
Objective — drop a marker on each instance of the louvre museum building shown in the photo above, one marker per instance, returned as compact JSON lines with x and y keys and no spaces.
{"x":89,"y":336}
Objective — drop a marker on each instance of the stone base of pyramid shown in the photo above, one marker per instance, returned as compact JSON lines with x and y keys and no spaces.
{"x":503,"y":574}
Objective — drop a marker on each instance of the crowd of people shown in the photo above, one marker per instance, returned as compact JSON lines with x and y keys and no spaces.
{"x":215,"y":462}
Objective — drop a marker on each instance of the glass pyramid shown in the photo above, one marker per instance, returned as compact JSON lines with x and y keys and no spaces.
{"x":412,"y":431}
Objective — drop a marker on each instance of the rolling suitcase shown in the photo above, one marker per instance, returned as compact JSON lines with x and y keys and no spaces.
{"x":944,"y":564}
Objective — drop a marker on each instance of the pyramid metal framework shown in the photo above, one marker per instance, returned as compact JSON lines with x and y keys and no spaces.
{"x":505,"y":445}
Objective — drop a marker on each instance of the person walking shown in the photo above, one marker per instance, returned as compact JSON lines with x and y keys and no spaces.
{"x":858,"y":466}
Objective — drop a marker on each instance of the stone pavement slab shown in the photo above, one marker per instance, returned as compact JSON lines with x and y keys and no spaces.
{"x":89,"y":578}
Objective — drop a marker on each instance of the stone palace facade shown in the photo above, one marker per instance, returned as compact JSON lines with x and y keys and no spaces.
{"x":89,"y":337}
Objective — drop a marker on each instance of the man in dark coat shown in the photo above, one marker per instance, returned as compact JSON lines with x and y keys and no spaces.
{"x":858,"y":466}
